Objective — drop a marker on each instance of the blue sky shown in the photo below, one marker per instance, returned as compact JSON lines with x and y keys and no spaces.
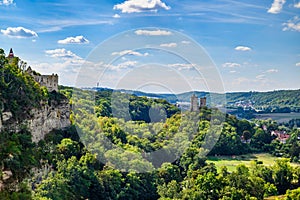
{"x":253,"y":45}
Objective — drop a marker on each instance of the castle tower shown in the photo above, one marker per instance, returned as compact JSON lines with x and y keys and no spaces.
{"x":11,"y":54}
{"x":202,"y":102}
{"x":194,"y":103}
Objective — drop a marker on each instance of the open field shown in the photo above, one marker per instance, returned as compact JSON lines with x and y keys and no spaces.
{"x":232,"y":161}
{"x":275,"y":197}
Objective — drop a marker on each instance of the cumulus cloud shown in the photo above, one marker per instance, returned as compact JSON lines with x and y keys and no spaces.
{"x":7,"y":2}
{"x":153,"y":33}
{"x":276,"y":6}
{"x":137,"y":6}
{"x":298,"y":64}
{"x":271,"y":71}
{"x":129,"y":52}
{"x":64,"y":55}
{"x":297,"y":5}
{"x":170,"y":45}
{"x":242,"y":48}
{"x":74,"y":40}
{"x":68,"y":64}
{"x":116,"y":16}
{"x":292,"y":24}
{"x":231,"y":65}
{"x":19,"y":32}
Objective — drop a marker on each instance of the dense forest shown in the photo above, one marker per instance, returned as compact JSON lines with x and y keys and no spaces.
{"x":121,"y":146}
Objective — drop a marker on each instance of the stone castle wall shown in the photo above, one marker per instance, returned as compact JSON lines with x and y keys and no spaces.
{"x":49,"y":81}
{"x":195,"y":103}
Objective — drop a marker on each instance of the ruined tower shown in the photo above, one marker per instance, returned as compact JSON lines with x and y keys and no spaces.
{"x":194,"y":103}
{"x":202,"y":102}
{"x":49,"y":81}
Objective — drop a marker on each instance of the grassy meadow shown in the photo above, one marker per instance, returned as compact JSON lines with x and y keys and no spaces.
{"x":232,"y":161}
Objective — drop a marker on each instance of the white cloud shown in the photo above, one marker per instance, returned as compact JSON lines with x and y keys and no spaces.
{"x":137,"y":6}
{"x":64,"y":55}
{"x":116,"y":16}
{"x":66,"y":70}
{"x":74,"y":40}
{"x":231,"y":65}
{"x":182,"y":66}
{"x":185,"y":42}
{"x":19,"y":32}
{"x":292,"y":24}
{"x":124,"y":65}
{"x":53,"y":25}
{"x":129,"y":52}
{"x":276,"y":6}
{"x":298,"y":64}
{"x":297,"y":5}
{"x":260,"y":77}
{"x":170,"y":45}
{"x":272,"y":71}
{"x":242,"y":48}
{"x":153,"y":33}
{"x":232,"y":71}
{"x":7,"y":2}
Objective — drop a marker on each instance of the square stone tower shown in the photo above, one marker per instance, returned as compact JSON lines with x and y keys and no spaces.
{"x":194,"y":103}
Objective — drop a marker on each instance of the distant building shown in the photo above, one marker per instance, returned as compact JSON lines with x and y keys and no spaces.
{"x":49,"y":81}
{"x":202,"y":102}
{"x":195,"y":103}
{"x":11,"y":54}
{"x":282,"y":136}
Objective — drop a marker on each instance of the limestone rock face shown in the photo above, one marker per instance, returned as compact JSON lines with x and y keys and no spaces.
{"x":6,"y":116}
{"x":56,"y":115}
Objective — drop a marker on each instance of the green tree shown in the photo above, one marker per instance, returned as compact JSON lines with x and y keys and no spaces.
{"x":283,"y":175}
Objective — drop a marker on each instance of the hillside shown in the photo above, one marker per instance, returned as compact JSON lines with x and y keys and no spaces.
{"x":124,"y":146}
{"x":273,"y":101}
{"x":28,"y":112}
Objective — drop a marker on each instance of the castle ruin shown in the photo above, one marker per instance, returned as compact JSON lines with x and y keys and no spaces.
{"x":49,"y":81}
{"x":202,"y":102}
{"x":195,"y":103}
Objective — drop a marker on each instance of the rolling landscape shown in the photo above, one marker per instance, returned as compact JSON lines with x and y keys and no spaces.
{"x":106,"y":144}
{"x":150,"y":100}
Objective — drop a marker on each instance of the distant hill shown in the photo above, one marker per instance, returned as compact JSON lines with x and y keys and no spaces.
{"x":172,"y":98}
{"x":273,"y":101}
{"x":278,"y":98}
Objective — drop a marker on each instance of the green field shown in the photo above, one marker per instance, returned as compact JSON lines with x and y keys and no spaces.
{"x":232,"y":161}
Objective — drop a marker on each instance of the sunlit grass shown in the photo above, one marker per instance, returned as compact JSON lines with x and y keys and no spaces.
{"x":232,"y":161}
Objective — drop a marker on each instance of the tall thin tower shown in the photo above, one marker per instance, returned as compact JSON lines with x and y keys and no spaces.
{"x":194,"y":103}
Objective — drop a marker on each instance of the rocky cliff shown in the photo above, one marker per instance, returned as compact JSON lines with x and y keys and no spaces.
{"x":42,"y":120}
